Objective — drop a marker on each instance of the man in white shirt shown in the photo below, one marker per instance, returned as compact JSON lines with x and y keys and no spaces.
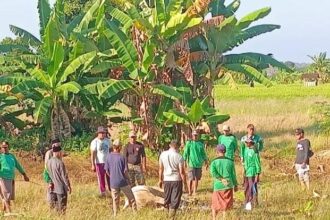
{"x":100,"y":148}
{"x":172,"y":176}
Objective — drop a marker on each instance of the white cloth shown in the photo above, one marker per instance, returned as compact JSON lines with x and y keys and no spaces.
{"x":101,"y":147}
{"x":171,"y":160}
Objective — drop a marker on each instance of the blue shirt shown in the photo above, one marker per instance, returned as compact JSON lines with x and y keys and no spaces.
{"x":116,"y":166}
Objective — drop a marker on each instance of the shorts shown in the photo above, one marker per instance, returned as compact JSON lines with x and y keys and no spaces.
{"x":7,"y":189}
{"x":194,"y":173}
{"x":303,"y":174}
{"x":135,"y":174}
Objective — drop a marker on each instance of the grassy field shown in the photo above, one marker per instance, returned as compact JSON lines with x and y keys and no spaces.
{"x":275,"y":111}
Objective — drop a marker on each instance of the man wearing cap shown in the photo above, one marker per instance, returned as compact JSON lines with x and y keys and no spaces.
{"x":172,"y":176}
{"x":116,"y":168}
{"x":194,"y":154}
{"x":60,"y":185}
{"x":252,"y":170}
{"x":100,"y":148}
{"x":8,"y":163}
{"x":302,"y":158}
{"x":258,"y":145}
{"x":49,"y":154}
{"x":223,"y":172}
{"x":229,"y":141}
{"x":136,"y":159}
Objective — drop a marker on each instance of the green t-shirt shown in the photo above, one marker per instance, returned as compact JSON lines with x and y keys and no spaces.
{"x":258,"y":143}
{"x":251,"y":162}
{"x":8,"y":163}
{"x":194,"y":153}
{"x":230,"y":143}
{"x":223,"y":168}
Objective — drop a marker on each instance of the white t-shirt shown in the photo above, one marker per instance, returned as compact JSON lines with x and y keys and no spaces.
{"x":171,"y":161}
{"x":102,"y":148}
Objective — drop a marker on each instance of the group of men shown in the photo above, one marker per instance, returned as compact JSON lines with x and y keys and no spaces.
{"x":122,"y":171}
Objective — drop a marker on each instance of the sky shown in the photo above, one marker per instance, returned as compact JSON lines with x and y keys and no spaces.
{"x":305,"y":27}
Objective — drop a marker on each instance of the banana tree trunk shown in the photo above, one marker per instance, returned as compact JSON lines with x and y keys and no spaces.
{"x":60,"y":123}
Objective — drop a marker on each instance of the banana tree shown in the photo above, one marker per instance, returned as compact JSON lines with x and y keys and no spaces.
{"x":8,"y":115}
{"x":209,"y":51}
{"x":48,"y":67}
{"x":141,"y":37}
{"x":195,"y":114}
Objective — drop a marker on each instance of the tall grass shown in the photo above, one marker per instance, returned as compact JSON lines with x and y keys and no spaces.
{"x":275,"y":111}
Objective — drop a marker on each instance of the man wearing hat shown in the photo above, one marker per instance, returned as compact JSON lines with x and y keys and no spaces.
{"x":8,"y":164}
{"x":136,"y":159}
{"x":258,"y":145}
{"x":49,"y":154}
{"x":60,"y":185}
{"x":172,"y":176}
{"x":100,"y":148}
{"x":116,"y":168}
{"x":229,"y":141}
{"x":194,"y":154}
{"x":252,"y":170}
{"x":223,"y":172}
{"x":302,"y":158}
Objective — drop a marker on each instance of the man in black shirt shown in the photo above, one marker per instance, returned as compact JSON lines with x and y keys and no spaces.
{"x":302,"y":158}
{"x":136,"y":159}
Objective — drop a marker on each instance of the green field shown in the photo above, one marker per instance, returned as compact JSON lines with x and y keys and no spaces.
{"x":275,"y":111}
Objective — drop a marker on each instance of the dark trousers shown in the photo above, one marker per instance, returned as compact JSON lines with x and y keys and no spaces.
{"x":250,"y":187}
{"x":58,"y":201}
{"x":173,"y":193}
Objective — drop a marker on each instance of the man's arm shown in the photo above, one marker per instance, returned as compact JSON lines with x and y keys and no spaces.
{"x":93,"y":155}
{"x":306,"y":149}
{"x":160,"y":174}
{"x":65,"y":177}
{"x":183,"y":175}
{"x":20,"y":169}
{"x":260,"y":144}
{"x":186,"y":153}
{"x":144,"y":160}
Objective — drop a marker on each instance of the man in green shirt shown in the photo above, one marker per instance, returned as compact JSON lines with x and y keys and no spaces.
{"x":223,"y":172}
{"x":8,"y":163}
{"x":252,"y":169}
{"x":194,"y":154}
{"x":229,"y":140}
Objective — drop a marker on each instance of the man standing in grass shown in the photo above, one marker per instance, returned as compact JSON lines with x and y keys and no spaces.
{"x":172,"y":175}
{"x":116,"y":168}
{"x":229,"y":141}
{"x":222,"y":170}
{"x":136,"y":159}
{"x":258,"y":145}
{"x":8,"y":163}
{"x":302,"y":158}
{"x":60,"y":185}
{"x":194,"y":154}
{"x":49,"y":154}
{"x":100,"y":148}
{"x":252,"y":170}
